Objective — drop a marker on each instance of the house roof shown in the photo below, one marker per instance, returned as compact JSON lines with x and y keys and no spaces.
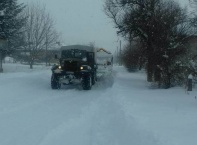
{"x":102,"y":49}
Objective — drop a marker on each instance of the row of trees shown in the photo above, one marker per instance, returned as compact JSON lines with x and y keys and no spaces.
{"x":28,"y":29}
{"x":155,"y":31}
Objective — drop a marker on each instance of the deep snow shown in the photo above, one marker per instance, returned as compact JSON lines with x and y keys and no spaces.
{"x":126,"y":112}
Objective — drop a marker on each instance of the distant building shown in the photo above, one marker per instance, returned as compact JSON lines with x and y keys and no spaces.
{"x":104,"y":57}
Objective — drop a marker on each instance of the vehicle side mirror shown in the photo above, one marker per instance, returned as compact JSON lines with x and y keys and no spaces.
{"x":56,"y":56}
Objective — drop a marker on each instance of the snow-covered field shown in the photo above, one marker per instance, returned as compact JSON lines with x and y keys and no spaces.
{"x":125,"y":113}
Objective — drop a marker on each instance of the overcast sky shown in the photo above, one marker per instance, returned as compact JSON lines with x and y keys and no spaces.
{"x":83,"y":21}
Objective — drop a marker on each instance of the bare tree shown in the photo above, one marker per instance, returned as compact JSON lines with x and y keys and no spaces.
{"x":160,"y":25}
{"x":39,"y":32}
{"x":193,"y":2}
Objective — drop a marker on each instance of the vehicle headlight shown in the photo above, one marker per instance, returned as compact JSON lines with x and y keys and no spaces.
{"x":85,"y":67}
{"x":59,"y":67}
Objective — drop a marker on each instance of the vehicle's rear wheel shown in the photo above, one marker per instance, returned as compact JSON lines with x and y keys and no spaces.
{"x":55,"y":84}
{"x":86,"y":82}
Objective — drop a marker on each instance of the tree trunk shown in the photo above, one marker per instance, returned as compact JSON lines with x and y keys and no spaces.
{"x":189,"y":85}
{"x":157,"y":76}
{"x":149,"y":72}
{"x":31,"y":64}
{"x":150,"y":62}
{"x":167,"y":80}
{"x":1,"y":67}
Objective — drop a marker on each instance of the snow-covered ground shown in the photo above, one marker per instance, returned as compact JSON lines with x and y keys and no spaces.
{"x":126,"y":112}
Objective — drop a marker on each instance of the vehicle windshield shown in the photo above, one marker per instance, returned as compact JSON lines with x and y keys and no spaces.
{"x":74,"y":53}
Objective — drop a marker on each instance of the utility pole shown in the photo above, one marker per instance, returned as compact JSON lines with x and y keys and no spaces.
{"x":120,"y":56}
{"x":117,"y":56}
{"x":120,"y":47}
{"x":46,"y":49}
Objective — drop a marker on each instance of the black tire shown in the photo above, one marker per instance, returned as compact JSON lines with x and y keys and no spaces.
{"x":94,"y":78}
{"x":55,"y":84}
{"x":87,"y":82}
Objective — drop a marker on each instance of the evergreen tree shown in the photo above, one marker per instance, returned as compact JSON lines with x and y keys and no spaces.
{"x":11,"y":22}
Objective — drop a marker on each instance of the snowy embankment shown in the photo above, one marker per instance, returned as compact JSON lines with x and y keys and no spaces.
{"x":126,"y":112}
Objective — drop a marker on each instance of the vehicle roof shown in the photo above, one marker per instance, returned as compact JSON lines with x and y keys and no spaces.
{"x":79,"y":47}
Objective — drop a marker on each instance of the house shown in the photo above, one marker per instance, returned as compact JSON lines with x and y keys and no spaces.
{"x":104,"y":57}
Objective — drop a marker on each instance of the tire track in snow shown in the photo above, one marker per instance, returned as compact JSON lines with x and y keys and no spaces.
{"x":102,"y":122}
{"x":74,"y":124}
{"x":95,"y":117}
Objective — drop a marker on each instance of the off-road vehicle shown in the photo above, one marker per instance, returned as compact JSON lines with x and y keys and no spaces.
{"x":77,"y":64}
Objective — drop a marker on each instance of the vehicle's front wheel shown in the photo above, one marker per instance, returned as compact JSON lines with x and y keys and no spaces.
{"x":86,"y":82}
{"x":55,"y":84}
{"x":94,"y":79}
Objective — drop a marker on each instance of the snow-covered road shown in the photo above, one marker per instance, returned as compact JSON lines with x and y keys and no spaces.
{"x":125,"y":113}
